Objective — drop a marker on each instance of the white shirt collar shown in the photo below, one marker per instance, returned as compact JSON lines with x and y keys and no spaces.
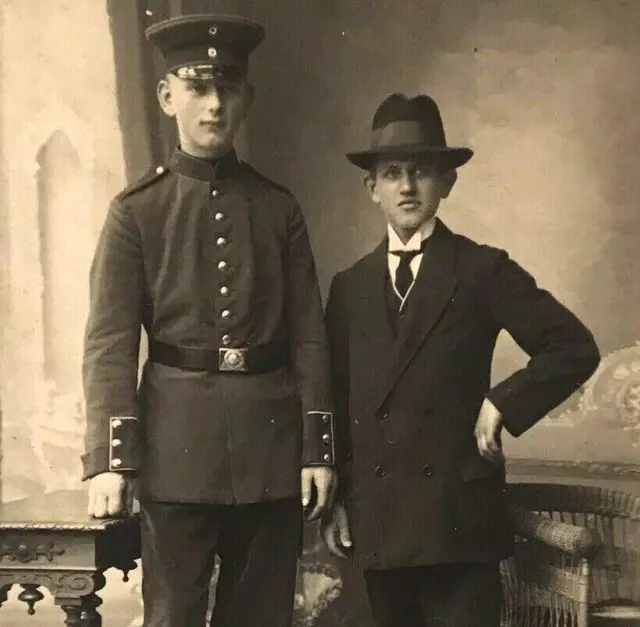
{"x":425,"y":231}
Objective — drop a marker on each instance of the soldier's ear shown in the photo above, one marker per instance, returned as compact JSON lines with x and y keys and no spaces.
{"x":165,"y":97}
{"x":447,"y":181}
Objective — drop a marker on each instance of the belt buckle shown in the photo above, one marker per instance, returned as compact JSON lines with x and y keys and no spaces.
{"x":232,"y":360}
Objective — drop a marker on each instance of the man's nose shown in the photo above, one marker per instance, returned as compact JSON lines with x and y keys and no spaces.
{"x":214,"y":99}
{"x":407,"y":182}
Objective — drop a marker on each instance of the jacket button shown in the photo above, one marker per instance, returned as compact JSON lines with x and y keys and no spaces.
{"x":427,"y":470}
{"x":215,"y":193}
{"x":221,"y":241}
{"x":226,"y":339}
{"x":224,"y":290}
{"x":219,"y":216}
{"x":380,"y":471}
{"x":384,"y":416}
{"x":222,"y":265}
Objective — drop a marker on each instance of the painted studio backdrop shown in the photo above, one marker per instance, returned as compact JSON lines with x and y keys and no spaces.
{"x":546,"y":93}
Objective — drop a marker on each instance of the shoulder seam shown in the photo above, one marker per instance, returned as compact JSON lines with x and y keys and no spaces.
{"x":144,"y":181}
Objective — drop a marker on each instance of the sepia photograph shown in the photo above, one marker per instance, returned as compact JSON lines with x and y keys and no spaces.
{"x":319,"y":314}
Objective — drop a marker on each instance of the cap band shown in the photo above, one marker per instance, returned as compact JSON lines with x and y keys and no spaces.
{"x":403,"y":132}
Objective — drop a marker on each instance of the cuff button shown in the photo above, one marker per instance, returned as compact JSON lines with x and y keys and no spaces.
{"x":116,"y":463}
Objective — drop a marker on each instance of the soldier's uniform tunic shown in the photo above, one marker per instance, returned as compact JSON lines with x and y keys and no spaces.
{"x":207,"y":256}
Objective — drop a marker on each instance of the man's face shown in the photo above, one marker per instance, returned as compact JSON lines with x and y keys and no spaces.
{"x":408,"y":192}
{"x":208,"y":112}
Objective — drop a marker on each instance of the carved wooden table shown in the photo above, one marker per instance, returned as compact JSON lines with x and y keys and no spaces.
{"x":50,"y":541}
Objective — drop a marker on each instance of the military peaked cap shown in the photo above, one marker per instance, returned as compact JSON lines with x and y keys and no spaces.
{"x":206,"y":46}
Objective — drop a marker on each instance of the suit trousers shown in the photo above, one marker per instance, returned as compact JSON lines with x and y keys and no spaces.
{"x":257,"y":544}
{"x":448,"y":595}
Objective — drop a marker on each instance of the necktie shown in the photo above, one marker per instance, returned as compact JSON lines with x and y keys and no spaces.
{"x":404,"y":276}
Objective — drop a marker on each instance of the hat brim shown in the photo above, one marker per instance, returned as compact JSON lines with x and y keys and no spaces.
{"x":446,"y":157}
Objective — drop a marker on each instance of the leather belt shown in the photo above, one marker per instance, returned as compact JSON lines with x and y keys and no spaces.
{"x":251,"y":360}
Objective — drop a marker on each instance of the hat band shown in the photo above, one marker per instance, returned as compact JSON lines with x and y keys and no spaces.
{"x":403,"y":132}
{"x":202,"y":54}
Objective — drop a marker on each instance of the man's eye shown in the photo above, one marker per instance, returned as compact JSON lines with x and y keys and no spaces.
{"x":425,"y":171}
{"x":198,"y":88}
{"x":391,"y":173}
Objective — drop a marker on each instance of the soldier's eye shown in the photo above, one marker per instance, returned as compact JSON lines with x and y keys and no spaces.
{"x":198,"y":87}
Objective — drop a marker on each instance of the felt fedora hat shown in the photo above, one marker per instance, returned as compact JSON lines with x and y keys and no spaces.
{"x":405,"y":126}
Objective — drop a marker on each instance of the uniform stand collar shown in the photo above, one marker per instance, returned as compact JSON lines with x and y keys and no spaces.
{"x":204,"y":169}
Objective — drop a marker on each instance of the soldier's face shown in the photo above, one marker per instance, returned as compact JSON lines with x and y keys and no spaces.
{"x":408,"y":192}
{"x":208,"y":113}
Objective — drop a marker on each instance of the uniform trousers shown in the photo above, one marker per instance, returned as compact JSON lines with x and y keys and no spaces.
{"x":448,"y":595}
{"x":257,"y":544}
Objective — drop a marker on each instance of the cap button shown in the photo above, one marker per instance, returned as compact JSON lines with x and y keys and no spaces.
{"x":212,"y":53}
{"x":159,"y":170}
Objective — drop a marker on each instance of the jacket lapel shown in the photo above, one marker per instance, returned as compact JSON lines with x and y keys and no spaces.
{"x":430,"y":295}
{"x":373,"y":296}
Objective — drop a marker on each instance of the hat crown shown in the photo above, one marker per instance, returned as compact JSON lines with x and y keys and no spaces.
{"x":400,"y":120}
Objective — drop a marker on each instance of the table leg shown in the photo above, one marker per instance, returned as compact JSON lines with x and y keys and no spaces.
{"x":81,"y":611}
{"x":90,"y":615}
{"x":72,"y":613}
{"x":4,"y":591}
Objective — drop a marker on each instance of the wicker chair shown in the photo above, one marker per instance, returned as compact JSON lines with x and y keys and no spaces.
{"x":577,"y":557}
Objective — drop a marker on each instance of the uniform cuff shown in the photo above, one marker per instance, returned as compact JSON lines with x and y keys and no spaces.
{"x":95,"y":462}
{"x":319,"y":442}
{"x":123,"y":443}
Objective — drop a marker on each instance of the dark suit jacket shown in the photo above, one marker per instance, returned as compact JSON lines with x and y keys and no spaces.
{"x":169,"y":244}
{"x":415,"y":487}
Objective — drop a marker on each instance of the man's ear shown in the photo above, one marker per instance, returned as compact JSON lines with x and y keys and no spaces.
{"x":447,"y":181}
{"x":369,"y":182}
{"x":165,"y":97}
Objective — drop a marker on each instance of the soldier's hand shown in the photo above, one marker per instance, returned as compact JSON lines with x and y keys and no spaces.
{"x":335,"y":533}
{"x":487,"y":432}
{"x":318,"y":488}
{"x":110,"y":494}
